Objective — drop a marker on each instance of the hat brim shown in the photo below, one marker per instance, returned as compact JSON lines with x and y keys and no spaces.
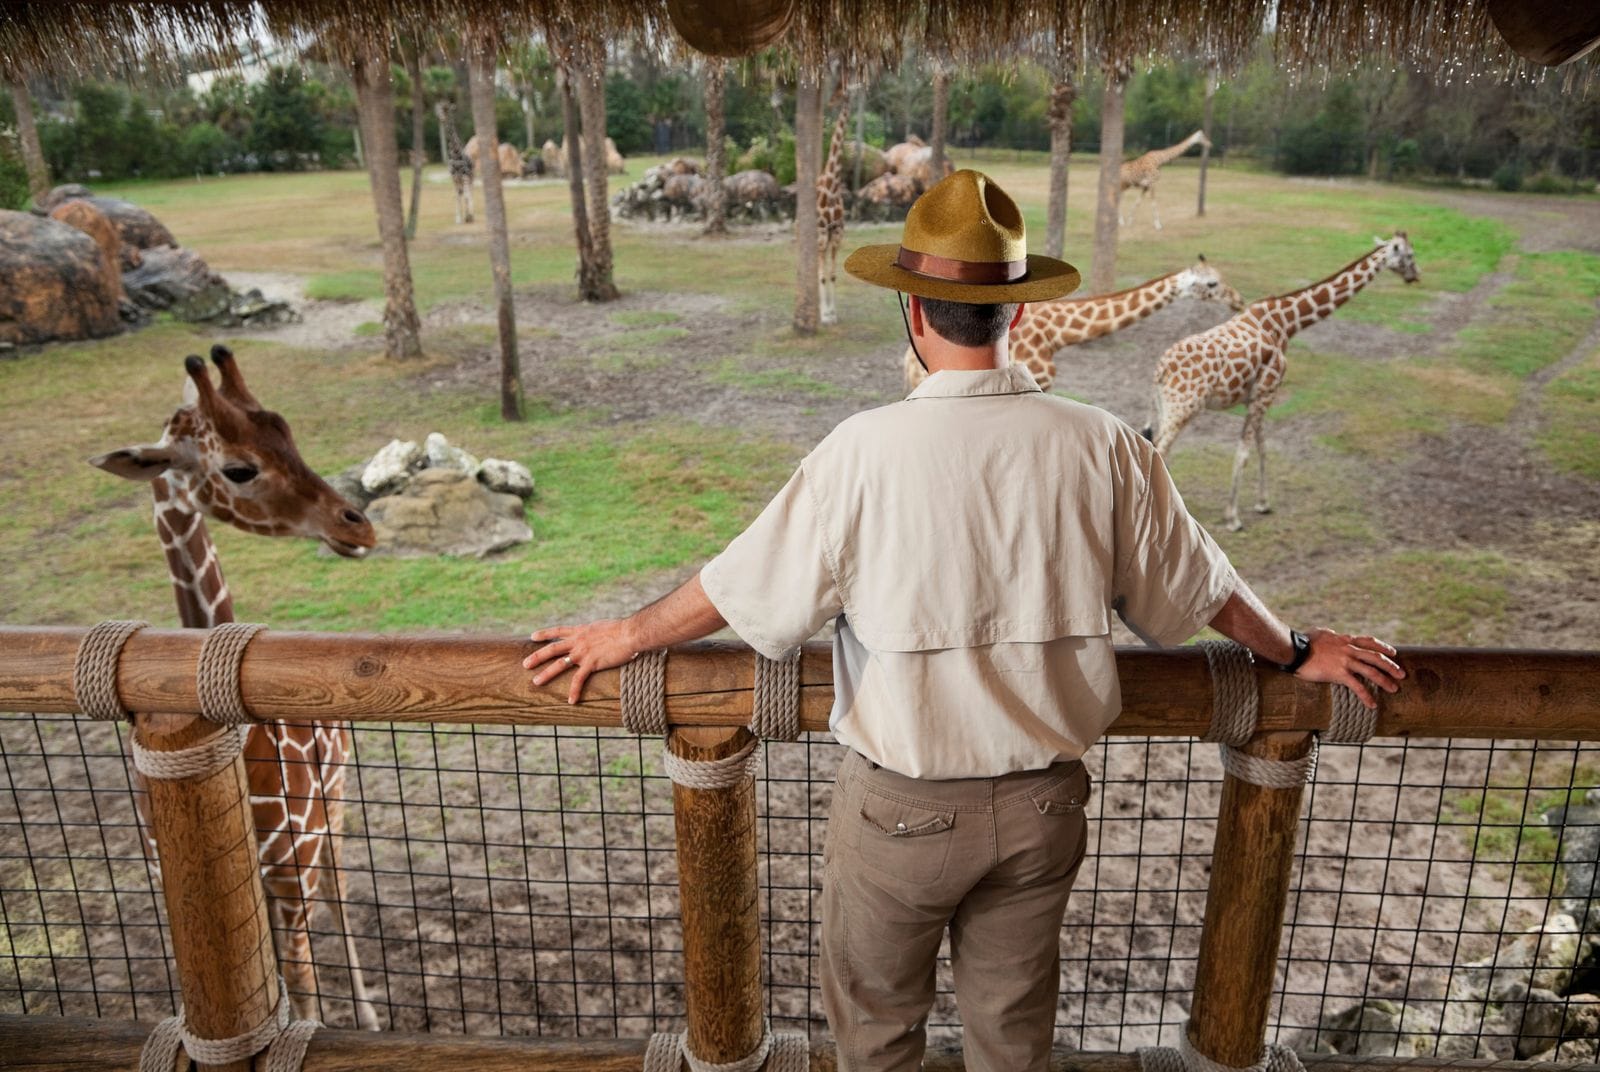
{"x":1046,"y":278}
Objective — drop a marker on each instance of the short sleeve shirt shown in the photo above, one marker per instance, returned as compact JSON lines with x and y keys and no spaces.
{"x":972,"y":542}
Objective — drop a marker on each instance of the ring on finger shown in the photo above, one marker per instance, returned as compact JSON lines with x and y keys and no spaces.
{"x":567,"y":659}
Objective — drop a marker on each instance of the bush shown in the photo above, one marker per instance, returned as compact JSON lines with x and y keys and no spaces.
{"x":1406,"y":159}
{"x":1508,"y":176}
{"x":626,"y":118}
{"x":13,"y":181}
{"x":206,"y":149}
{"x":1543,"y":182}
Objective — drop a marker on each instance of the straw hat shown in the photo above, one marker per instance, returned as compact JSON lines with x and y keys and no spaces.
{"x":964,"y":241}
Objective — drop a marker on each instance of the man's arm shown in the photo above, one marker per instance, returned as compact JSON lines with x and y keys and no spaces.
{"x":683,"y":614}
{"x":1361,"y":662}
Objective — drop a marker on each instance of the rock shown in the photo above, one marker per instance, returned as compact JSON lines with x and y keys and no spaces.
{"x":53,"y":284}
{"x":441,"y":455}
{"x":446,"y":512}
{"x":67,"y":191}
{"x":177,"y":280}
{"x":92,"y":222}
{"x":1578,"y":828}
{"x":138,"y":229}
{"x":506,"y":477}
{"x":1380,"y":1027}
{"x":391,"y":467}
{"x":347,"y":482}
{"x":1542,"y":957}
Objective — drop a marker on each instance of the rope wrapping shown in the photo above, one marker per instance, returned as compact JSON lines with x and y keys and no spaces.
{"x":197,"y":761}
{"x":714,"y":773}
{"x":784,"y":1051}
{"x":1272,"y":773}
{"x":171,"y":1046}
{"x":1353,"y":721}
{"x":94,"y":671}
{"x":1185,"y":1058}
{"x":1235,"y":700}
{"x":775,"y":705}
{"x":643,"y":694}
{"x":216,"y":676}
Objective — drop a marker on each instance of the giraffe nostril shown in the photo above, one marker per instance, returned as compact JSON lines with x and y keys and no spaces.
{"x":354,"y":517}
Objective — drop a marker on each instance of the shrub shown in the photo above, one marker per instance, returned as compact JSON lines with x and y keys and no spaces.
{"x":13,"y":181}
{"x":1508,"y":176}
{"x":206,"y":149}
{"x":1406,"y":159}
{"x":1544,"y":182}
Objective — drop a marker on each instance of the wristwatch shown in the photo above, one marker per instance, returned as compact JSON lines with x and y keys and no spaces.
{"x":1302,"y":651}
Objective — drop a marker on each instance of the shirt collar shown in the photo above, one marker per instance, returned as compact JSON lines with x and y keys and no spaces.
{"x":1014,"y":379}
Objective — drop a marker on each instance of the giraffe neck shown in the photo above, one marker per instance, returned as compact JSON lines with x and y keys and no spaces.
{"x":1298,"y":310}
{"x":1172,"y":152}
{"x":1090,"y":318}
{"x":830,"y":170}
{"x":197,"y":582}
{"x":452,"y":139}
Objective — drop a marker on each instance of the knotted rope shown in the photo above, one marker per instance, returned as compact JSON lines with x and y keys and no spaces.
{"x":643,"y":694}
{"x":94,"y":671}
{"x":775,"y":705}
{"x":1353,"y":721}
{"x":714,"y":773}
{"x":1235,"y":701}
{"x":1236,"y":709}
{"x":1185,"y":1058}
{"x":781,"y":1052}
{"x":197,"y":761}
{"x":217,"y":674}
{"x":284,"y":1040}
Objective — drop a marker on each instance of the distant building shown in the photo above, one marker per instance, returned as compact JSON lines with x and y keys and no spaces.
{"x":252,"y":70}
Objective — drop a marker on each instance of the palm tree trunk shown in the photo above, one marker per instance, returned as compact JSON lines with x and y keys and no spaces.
{"x":592,"y":109}
{"x":480,"y":76}
{"x":28,"y":132}
{"x":588,"y":282}
{"x":807,"y":154}
{"x":941,"y":117}
{"x":419,"y":133}
{"x":402,"y":331}
{"x":1103,"y":272}
{"x":1205,"y":149}
{"x":1062,"y":96}
{"x":716,"y":196}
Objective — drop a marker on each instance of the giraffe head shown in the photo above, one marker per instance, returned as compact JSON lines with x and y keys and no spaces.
{"x":237,"y":463}
{"x":1204,"y":282}
{"x":1397,"y":256}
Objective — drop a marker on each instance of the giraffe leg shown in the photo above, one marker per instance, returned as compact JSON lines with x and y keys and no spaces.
{"x":466,"y":188}
{"x":366,"y":1012}
{"x":1262,"y":505}
{"x":294,"y":955}
{"x":1252,"y":431}
{"x":1155,"y":210}
{"x":825,"y":292}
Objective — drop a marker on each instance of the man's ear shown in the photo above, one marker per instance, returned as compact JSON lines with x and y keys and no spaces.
{"x":1016,"y":317}
{"x":918,"y":327}
{"x":135,"y":463}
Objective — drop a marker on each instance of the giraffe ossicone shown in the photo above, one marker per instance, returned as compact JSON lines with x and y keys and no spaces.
{"x":1049,"y":327}
{"x":1241,"y":361}
{"x":223,"y":456}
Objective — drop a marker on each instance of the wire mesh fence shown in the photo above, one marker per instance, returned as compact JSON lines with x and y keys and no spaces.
{"x":522,"y":881}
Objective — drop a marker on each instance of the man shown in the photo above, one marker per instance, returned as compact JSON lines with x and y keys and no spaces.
{"x":970,"y":542}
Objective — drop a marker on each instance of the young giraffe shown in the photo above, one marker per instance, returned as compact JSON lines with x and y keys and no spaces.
{"x":1242,"y":359}
{"x":830,"y":219}
{"x":222,"y":456}
{"x":460,"y":163}
{"x":1051,"y":326}
{"x":1144,"y":170}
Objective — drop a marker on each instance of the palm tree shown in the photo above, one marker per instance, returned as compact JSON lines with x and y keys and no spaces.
{"x":1063,"y":94}
{"x":480,"y":78}
{"x":402,"y":331}
{"x":716,"y":206}
{"x":1103,"y":273}
{"x":592,"y":111}
{"x":807,"y":161}
{"x":28,"y":133}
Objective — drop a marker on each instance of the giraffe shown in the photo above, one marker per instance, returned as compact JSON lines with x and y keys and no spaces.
{"x":830,"y":219}
{"x":1242,"y":359}
{"x":221,"y":455}
{"x":1051,"y":326}
{"x":459,"y":162}
{"x":1144,"y":170}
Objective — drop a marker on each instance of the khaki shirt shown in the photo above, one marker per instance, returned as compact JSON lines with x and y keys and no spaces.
{"x":972,"y":541}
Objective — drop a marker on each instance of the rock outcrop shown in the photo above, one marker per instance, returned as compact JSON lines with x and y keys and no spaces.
{"x":53,"y":283}
{"x":137,"y":227}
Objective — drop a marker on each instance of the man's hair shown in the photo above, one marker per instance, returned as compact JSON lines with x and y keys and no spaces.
{"x":969,"y":325}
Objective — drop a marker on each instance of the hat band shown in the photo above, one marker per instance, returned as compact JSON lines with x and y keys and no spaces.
{"x":958,"y":271}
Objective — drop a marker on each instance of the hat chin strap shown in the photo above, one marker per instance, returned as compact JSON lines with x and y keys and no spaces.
{"x":901,"y":298}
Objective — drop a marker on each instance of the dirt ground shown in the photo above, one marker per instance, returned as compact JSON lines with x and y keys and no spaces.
{"x":524,"y":883}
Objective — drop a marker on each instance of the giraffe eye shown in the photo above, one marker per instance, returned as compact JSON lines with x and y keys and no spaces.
{"x":240,"y":474}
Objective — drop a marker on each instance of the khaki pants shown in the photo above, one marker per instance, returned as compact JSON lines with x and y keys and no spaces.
{"x":991,"y":858}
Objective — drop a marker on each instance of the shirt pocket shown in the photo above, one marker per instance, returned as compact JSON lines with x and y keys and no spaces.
{"x":910,"y":841}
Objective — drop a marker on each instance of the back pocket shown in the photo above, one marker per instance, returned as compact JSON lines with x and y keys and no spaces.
{"x":908,"y":841}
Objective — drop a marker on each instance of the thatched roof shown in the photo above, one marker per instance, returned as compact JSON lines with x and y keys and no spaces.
{"x":1449,"y":35}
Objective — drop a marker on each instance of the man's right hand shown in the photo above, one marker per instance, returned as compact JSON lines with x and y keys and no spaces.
{"x":1360,"y":662}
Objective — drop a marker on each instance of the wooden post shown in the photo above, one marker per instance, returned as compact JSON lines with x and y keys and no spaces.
{"x":716,"y":831}
{"x":1256,"y":832}
{"x":211,"y":879}
{"x":1205,"y":150}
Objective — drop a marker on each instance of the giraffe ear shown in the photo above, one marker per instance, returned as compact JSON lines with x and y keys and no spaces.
{"x":135,"y":463}
{"x":1377,"y":240}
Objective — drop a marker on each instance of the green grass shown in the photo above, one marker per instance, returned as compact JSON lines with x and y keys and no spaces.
{"x":1417,"y":596}
{"x":644,"y":318}
{"x":1570,"y":436}
{"x":1510,"y":834}
{"x":1538,"y":318}
{"x":781,"y":381}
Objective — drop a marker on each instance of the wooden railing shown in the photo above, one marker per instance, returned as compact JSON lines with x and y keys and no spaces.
{"x":213,"y":890}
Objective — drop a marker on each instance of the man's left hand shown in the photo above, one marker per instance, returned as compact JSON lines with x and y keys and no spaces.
{"x":583,"y":649}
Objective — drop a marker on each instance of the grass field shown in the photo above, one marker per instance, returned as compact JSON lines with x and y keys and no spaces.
{"x":1434,"y":459}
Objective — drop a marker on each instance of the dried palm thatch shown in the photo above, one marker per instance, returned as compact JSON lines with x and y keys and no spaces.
{"x":1455,"y":36}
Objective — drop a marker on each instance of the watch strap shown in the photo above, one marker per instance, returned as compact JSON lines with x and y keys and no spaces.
{"x":1302,"y":652}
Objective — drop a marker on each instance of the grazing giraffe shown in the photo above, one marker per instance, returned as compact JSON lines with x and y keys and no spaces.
{"x":460,"y":163}
{"x":1242,"y":360}
{"x":1051,"y":326}
{"x":222,"y":456}
{"x":1144,"y":170}
{"x":830,"y":219}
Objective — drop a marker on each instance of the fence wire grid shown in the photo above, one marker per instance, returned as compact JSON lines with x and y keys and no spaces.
{"x":522,"y":881}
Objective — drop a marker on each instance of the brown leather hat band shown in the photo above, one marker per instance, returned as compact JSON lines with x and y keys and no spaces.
{"x":956,"y":271}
